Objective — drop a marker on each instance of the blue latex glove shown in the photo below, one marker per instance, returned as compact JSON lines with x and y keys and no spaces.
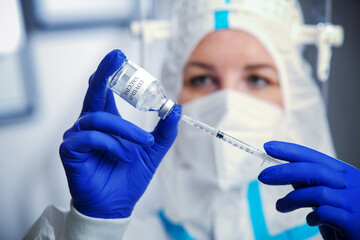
{"x":329,"y":186}
{"x":109,"y":161}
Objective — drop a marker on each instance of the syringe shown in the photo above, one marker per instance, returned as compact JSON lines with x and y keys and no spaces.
{"x":229,"y":139}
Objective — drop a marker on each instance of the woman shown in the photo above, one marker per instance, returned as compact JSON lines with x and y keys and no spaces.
{"x":237,"y":67}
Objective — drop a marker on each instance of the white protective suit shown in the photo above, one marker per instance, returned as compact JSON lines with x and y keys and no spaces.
{"x":208,"y":189}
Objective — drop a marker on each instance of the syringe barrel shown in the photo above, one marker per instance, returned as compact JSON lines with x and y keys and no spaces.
{"x":199,"y":124}
{"x":229,"y":139}
{"x":249,"y":149}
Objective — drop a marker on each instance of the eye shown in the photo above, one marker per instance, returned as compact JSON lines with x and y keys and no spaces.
{"x":202,"y":81}
{"x":257,"y":82}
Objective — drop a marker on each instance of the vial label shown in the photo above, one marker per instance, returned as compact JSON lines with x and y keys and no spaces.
{"x":136,"y":86}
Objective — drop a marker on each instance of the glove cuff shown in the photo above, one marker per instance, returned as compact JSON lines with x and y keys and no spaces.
{"x":79,"y":226}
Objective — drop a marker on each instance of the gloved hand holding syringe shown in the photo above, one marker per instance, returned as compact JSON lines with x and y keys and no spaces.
{"x":139,"y":88}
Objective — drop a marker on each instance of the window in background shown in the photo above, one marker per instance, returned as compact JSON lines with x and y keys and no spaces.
{"x":60,"y":13}
{"x":16,"y":95}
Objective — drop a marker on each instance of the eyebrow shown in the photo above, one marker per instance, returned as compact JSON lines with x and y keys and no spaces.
{"x":261,"y":66}
{"x":249,"y":68}
{"x":201,"y":65}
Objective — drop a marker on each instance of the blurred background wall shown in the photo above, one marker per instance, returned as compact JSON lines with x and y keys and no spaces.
{"x":344,"y":88}
{"x":56,"y":45}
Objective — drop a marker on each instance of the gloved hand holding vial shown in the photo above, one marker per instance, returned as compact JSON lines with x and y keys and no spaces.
{"x":109,"y":161}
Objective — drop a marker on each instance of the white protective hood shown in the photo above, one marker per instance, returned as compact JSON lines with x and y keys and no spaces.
{"x":274,"y":24}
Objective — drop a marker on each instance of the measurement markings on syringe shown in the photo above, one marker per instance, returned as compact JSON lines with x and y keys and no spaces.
{"x":203,"y":129}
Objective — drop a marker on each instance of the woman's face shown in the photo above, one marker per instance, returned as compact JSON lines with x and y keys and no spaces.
{"x":230,"y":59}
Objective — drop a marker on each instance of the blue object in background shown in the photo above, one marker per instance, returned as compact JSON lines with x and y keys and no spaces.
{"x":259,"y":225}
{"x":221,"y":19}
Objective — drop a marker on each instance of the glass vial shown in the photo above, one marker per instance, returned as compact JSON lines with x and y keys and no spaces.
{"x":139,"y":88}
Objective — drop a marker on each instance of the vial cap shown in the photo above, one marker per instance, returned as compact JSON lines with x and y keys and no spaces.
{"x":167,"y":108}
